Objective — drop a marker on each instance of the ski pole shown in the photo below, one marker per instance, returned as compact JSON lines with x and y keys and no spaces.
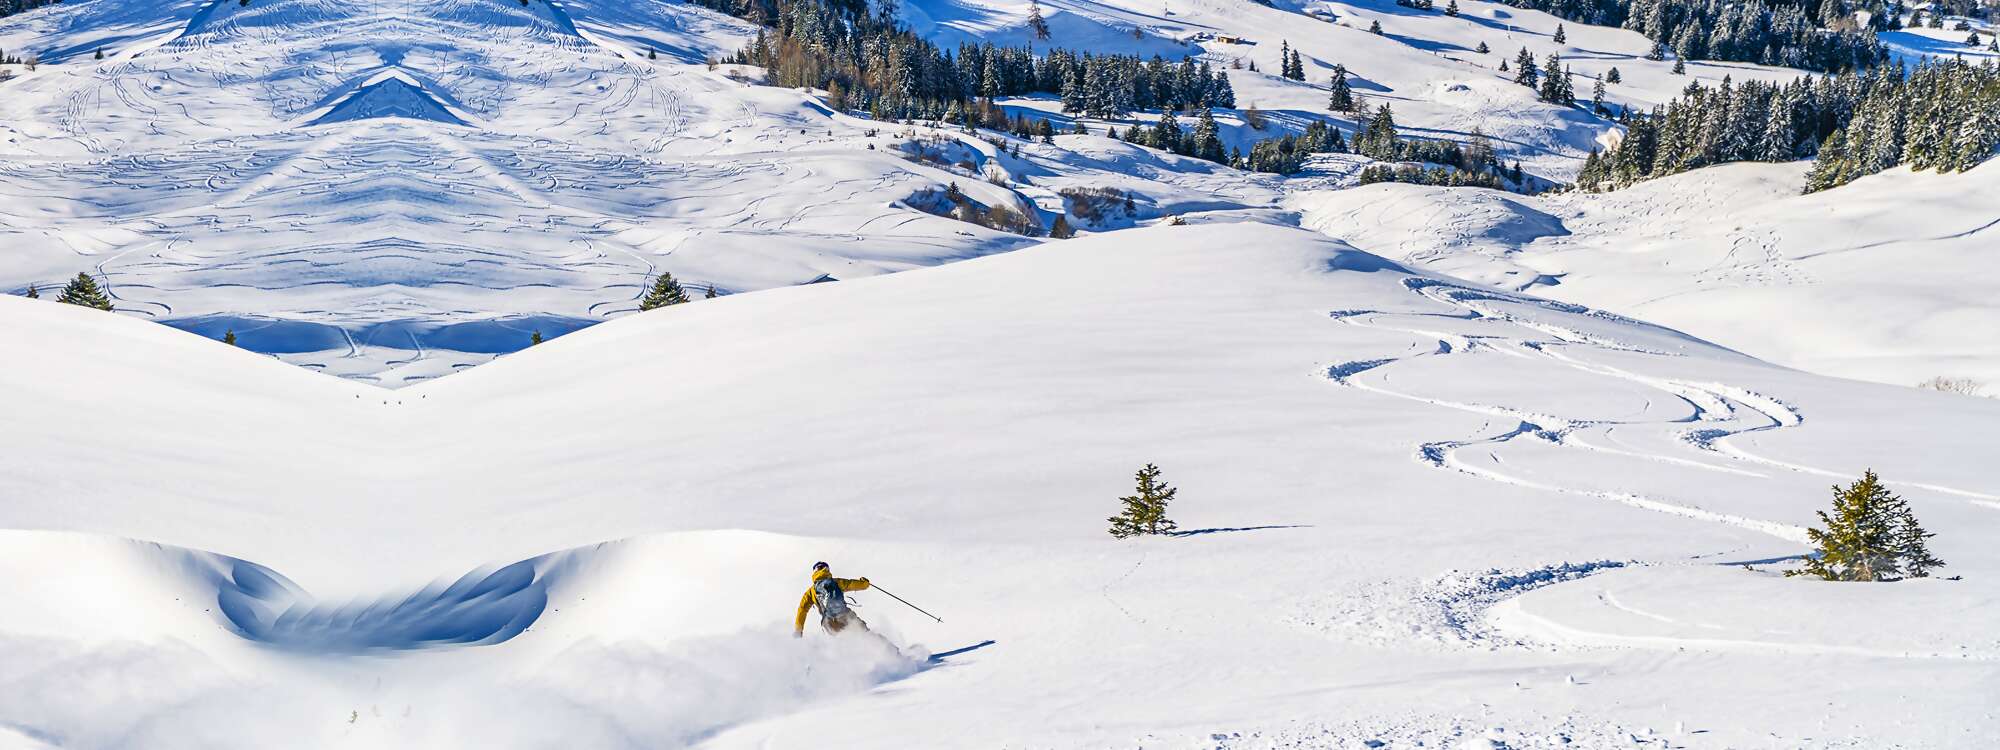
{"x":872,"y":585}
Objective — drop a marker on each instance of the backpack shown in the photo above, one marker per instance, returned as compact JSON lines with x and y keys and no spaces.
{"x":832,"y":602}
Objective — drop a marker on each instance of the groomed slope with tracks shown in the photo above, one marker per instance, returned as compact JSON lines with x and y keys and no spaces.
{"x":1415,"y":510}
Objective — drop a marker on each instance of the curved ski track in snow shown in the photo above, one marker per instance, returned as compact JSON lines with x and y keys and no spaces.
{"x":1716,"y":411}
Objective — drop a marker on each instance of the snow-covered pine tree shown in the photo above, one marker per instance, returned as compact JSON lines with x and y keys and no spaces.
{"x":1526,"y":72}
{"x":1035,"y":20}
{"x":1555,"y":88}
{"x":1658,"y":52}
{"x":1561,"y":37}
{"x":712,"y":294}
{"x":666,"y":291}
{"x":1597,"y":97}
{"x":1378,"y":140}
{"x":1871,"y":535}
{"x":1483,"y":49}
{"x":1206,"y":142}
{"x":1451,"y":8}
{"x":1342,"y":98}
{"x":1375,"y":27}
{"x":1167,"y":134}
{"x":1613,"y":76}
{"x":1145,"y":511}
{"x":83,"y":291}
{"x":33,"y":293}
{"x":1973,"y":40}
{"x":1680,"y":66}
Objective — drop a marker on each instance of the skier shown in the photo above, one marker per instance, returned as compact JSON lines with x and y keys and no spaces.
{"x":829,"y":594}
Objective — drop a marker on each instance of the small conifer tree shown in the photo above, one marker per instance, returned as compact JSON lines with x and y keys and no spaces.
{"x":100,"y":53}
{"x":229,"y":337}
{"x":1146,"y":511}
{"x":1451,"y":8}
{"x":1483,"y":49}
{"x":535,"y":338}
{"x":1375,"y":27}
{"x":33,"y":293}
{"x":1871,"y":535}
{"x":84,"y":291}
{"x":1035,"y":20}
{"x":710,"y":294}
{"x":1613,"y":76}
{"x":1680,"y":66}
{"x":666,"y":291}
{"x":1061,"y":229}
{"x":1561,"y":37}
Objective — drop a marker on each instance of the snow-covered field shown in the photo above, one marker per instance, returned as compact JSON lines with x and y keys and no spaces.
{"x":1422,"y":504}
{"x":1890,"y":279}
{"x":1365,"y":475}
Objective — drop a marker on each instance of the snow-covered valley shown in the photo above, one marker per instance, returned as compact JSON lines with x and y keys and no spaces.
{"x":1457,"y":468}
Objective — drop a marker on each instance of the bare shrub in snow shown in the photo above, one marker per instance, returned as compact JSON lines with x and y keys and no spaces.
{"x":1962,"y":386}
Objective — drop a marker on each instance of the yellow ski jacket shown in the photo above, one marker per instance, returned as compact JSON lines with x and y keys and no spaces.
{"x":806,"y":602}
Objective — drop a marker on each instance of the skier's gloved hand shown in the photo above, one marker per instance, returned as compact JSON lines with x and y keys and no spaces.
{"x":864,"y":579}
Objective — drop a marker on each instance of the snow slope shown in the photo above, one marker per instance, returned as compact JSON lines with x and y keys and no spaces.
{"x":395,"y":190}
{"x":1887,"y":279}
{"x":1370,"y":459}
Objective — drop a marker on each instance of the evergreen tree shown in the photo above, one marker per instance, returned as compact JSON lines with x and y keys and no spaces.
{"x":1680,"y":66}
{"x":1973,"y":40}
{"x":33,"y":293}
{"x":1378,"y":140}
{"x":1613,"y":76}
{"x":100,"y":53}
{"x":1206,"y":141}
{"x":1561,"y":38}
{"x":1597,"y":97}
{"x":666,"y":291}
{"x":1145,"y":512}
{"x":1061,"y":229}
{"x":229,"y":337}
{"x":1872,"y":535}
{"x":1035,"y":20}
{"x":1375,"y":27}
{"x":1451,"y":8}
{"x":1342,"y":99}
{"x":1525,"y":71}
{"x":1658,"y":52}
{"x":712,"y":294}
{"x":1483,"y":49}
{"x":535,"y":338}
{"x":83,"y":291}
{"x":1556,"y":88}
{"x":1166,"y":134}
{"x":652,"y":54}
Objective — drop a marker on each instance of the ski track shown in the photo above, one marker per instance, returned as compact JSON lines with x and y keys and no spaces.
{"x":1719,"y":411}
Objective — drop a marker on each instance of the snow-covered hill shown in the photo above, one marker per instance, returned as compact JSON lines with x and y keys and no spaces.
{"x":1369,"y":459}
{"x":396,"y":190}
{"x":1888,"y":279}
{"x":1421,"y":503}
